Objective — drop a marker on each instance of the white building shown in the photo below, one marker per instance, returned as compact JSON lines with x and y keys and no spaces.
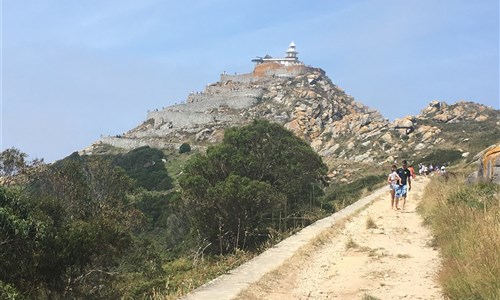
{"x":291,"y":58}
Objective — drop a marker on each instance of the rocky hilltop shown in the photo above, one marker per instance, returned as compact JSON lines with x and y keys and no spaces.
{"x":305,"y":100}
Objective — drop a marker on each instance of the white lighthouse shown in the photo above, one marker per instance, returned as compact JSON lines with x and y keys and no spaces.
{"x":291,"y":52}
{"x":290,"y":59}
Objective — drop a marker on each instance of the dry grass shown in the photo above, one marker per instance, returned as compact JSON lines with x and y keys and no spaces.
{"x":377,"y":252}
{"x":351,"y":244}
{"x":370,"y":224}
{"x":466,"y":224}
{"x":327,"y":235}
{"x":187,"y":275}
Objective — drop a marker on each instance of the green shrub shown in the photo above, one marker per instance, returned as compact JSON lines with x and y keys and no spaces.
{"x":184,"y":148}
{"x":233,"y":190}
{"x":71,"y":219}
{"x":341,"y":195}
{"x":442,"y":156}
{"x":476,"y":196}
{"x":146,"y":166}
{"x":8,"y":292}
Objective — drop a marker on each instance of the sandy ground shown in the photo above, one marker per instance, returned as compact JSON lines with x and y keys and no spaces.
{"x":395,"y":260}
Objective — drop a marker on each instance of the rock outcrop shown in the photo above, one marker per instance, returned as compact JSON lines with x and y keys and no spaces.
{"x":462,"y":111}
{"x":306,"y":102}
{"x":489,"y":166}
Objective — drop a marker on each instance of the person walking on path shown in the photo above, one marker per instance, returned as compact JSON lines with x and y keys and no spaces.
{"x":405,"y":184}
{"x":412,"y":171}
{"x":394,"y":180}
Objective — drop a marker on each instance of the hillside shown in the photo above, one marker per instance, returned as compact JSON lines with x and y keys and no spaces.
{"x":134,"y":221}
{"x":346,"y":133}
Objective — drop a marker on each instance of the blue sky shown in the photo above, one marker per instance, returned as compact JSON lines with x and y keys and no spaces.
{"x":73,"y":70}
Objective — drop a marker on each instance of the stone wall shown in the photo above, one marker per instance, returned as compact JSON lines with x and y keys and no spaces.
{"x":243,"y":78}
{"x":275,"y":69}
{"x":228,"y":87}
{"x":167,"y":121}
{"x":269,"y":70}
{"x":206,"y":108}
{"x":133,"y":143}
{"x":237,"y":99}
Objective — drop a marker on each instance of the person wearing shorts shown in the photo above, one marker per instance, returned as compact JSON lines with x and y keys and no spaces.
{"x":393,"y":180}
{"x":405,"y":185}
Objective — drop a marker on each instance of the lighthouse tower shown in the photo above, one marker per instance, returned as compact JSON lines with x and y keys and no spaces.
{"x":291,"y":52}
{"x":291,"y":58}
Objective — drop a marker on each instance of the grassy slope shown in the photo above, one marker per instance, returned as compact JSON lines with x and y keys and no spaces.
{"x":465,"y":221}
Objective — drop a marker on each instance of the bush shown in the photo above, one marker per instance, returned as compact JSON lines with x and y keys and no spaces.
{"x":442,"y":156}
{"x":8,"y":292}
{"x":146,"y":166}
{"x":232,"y":191}
{"x":68,"y":229}
{"x":477,"y":196}
{"x":184,"y":148}
{"x":339,"y":196}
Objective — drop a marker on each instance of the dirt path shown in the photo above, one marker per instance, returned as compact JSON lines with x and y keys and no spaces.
{"x":351,"y":261}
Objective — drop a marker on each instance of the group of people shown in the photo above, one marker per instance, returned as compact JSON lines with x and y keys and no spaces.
{"x":429,"y":170}
{"x":399,"y":184}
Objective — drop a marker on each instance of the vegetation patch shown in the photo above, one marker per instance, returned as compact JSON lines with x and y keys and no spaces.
{"x":151,"y":224}
{"x":377,"y":252}
{"x":146,"y":165}
{"x":339,"y":196}
{"x":465,"y":222}
{"x":442,"y":156}
{"x":370,"y":224}
{"x":114,"y":226}
{"x":184,"y":148}
{"x":351,"y":244}
{"x":254,"y":181}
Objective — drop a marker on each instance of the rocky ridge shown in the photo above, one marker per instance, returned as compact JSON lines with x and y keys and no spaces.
{"x":309,"y":104}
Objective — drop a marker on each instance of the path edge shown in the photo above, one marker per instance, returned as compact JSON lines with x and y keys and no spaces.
{"x":230,"y":285}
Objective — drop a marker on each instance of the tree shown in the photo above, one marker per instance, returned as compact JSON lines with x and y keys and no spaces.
{"x":222,"y":189}
{"x":18,"y":237}
{"x":146,"y":166}
{"x":268,"y":152}
{"x":63,"y":237}
{"x":13,"y":163}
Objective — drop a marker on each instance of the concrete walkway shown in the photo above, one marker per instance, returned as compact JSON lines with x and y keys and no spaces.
{"x":228,"y":286}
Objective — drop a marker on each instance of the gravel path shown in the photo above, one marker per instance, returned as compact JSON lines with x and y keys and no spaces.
{"x":395,"y":260}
